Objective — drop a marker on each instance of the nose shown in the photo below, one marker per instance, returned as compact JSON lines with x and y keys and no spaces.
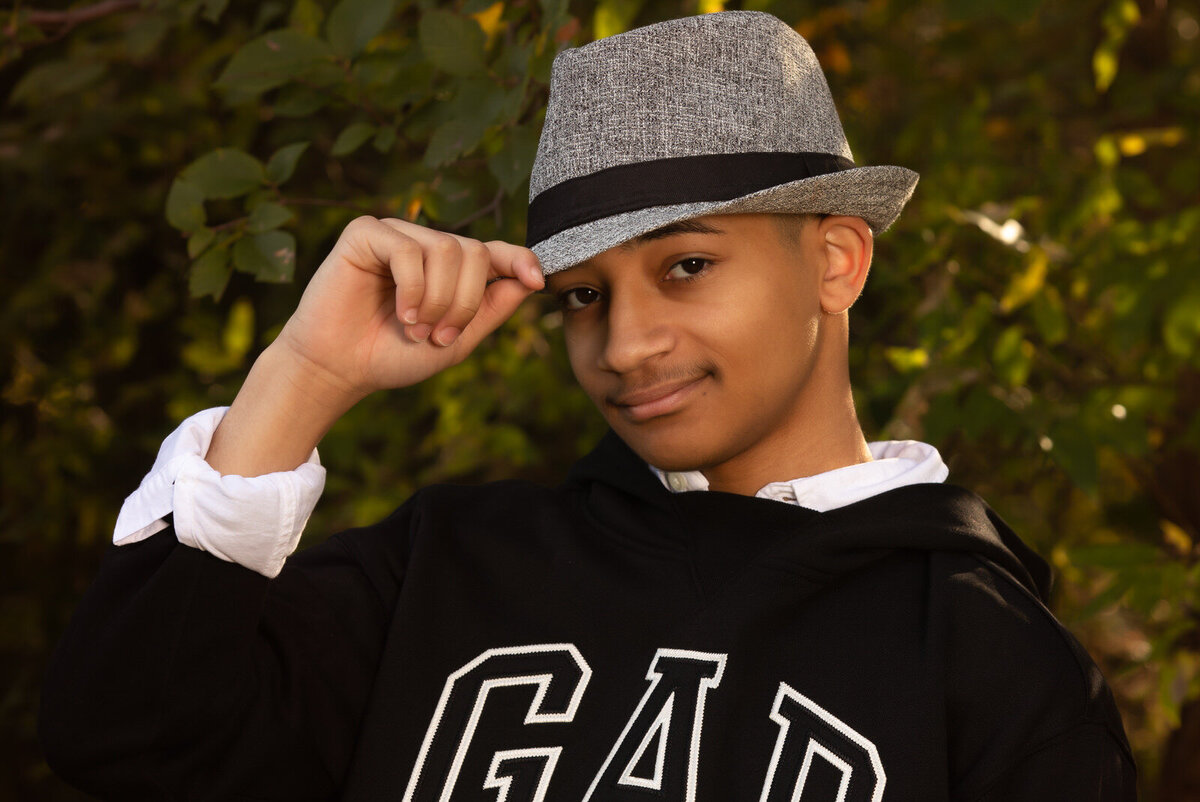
{"x":638,"y":331}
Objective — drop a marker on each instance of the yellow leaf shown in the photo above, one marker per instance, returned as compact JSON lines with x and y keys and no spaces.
{"x":1106,"y":151}
{"x":489,"y":19}
{"x":1129,"y":12}
{"x":614,"y":16}
{"x":836,"y":58}
{"x":1175,"y":537}
{"x":239,"y":330}
{"x":1104,"y":65}
{"x":1170,"y":136}
{"x":1132,"y":144}
{"x":710,"y":6}
{"x":1027,"y":283}
{"x":906,"y":360}
{"x":414,"y":209}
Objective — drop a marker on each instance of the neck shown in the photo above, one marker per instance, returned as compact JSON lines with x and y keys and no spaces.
{"x":822,"y":432}
{"x":836,"y":445}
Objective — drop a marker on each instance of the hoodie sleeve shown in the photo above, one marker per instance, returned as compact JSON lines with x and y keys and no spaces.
{"x":183,"y":676}
{"x":1086,"y":763}
{"x":1030,"y":716}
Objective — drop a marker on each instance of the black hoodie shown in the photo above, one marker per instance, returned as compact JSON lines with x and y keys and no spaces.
{"x":603,"y":640}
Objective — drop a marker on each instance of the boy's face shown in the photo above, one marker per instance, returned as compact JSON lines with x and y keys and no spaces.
{"x":698,"y":342}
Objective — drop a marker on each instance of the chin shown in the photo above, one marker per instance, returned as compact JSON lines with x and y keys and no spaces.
{"x":674,"y":448}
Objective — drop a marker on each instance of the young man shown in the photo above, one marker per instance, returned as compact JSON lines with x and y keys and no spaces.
{"x":734,"y":597}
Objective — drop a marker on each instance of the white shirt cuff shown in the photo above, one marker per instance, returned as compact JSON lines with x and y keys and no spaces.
{"x":255,"y":522}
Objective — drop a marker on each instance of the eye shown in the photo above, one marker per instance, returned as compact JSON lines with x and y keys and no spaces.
{"x":578,"y":298}
{"x":688,"y":268}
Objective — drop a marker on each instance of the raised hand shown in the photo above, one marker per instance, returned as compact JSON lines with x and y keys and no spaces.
{"x":392,"y":304}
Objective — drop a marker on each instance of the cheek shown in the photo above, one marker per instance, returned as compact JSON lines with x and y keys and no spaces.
{"x":581,"y":355}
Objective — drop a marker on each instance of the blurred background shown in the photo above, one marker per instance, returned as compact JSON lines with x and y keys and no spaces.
{"x":172,"y":172}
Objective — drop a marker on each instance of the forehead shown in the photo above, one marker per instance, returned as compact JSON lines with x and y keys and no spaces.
{"x":748,"y":229}
{"x":697,"y":225}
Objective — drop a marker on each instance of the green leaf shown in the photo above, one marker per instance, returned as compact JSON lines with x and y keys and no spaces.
{"x":55,"y":79}
{"x":185,"y":206}
{"x":298,"y":101}
{"x":268,"y":257}
{"x":199,"y":241}
{"x":512,"y":164}
{"x":282,"y":163}
{"x":272,"y":60}
{"x":1049,"y":316}
{"x":1181,"y":329}
{"x":452,"y":139}
{"x":268,"y":216}
{"x":384,"y":140}
{"x":554,"y":11}
{"x":452,"y":43}
{"x":354,"y":23}
{"x":210,"y":274}
{"x":1115,"y":556}
{"x":213,"y":9}
{"x":1012,"y":9}
{"x":1012,"y":356}
{"x":307,"y":16}
{"x":1075,"y":452}
{"x":351,"y":138}
{"x":225,"y":173}
{"x":144,"y":36}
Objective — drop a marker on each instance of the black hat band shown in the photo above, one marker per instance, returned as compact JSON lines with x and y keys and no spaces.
{"x":668,"y":182}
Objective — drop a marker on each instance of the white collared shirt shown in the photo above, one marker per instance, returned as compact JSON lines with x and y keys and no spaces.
{"x":256,"y":522}
{"x":894,"y":463}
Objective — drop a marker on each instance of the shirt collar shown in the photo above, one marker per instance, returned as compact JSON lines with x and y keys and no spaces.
{"x":894,"y":463}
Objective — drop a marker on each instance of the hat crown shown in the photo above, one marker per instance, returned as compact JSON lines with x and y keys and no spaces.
{"x":731,"y":82}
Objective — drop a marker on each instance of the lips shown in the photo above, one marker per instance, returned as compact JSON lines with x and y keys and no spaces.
{"x":660,"y":399}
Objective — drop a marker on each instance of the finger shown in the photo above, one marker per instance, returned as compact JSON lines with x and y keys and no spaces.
{"x":373,"y":246}
{"x":499,"y":302}
{"x":441,"y":262}
{"x":513,"y":261}
{"x":468,"y":293}
{"x":508,"y":260}
{"x":443,"y":265}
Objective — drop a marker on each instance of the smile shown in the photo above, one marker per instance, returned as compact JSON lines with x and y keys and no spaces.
{"x":654,"y":402}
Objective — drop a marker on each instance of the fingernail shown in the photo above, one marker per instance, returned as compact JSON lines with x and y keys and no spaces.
{"x":410,"y":317}
{"x":420,"y":334}
{"x":447,"y":335}
{"x":535,"y":274}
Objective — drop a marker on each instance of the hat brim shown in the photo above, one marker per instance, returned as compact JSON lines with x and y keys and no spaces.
{"x":876,"y":194}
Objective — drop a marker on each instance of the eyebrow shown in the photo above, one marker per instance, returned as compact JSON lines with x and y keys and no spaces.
{"x":673,"y":229}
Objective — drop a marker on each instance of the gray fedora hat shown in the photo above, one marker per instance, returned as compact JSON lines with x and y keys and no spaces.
{"x":718,"y":114}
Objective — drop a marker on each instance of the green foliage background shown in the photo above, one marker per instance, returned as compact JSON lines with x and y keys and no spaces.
{"x":172,"y":171}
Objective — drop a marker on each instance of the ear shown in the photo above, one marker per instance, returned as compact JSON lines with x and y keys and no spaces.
{"x":847,"y":245}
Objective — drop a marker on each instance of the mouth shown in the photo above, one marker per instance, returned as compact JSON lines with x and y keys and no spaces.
{"x":647,"y":403}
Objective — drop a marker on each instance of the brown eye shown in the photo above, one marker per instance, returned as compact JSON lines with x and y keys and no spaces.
{"x":578,"y":298}
{"x":687,"y":268}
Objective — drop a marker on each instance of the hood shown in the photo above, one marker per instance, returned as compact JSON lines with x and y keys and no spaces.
{"x":721,"y":531}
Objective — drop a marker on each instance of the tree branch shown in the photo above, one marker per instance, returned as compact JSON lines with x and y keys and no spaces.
{"x":75,"y":16}
{"x":356,"y":207}
{"x":492,"y":206}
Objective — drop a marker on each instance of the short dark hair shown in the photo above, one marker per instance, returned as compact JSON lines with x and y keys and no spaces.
{"x":791,"y":225}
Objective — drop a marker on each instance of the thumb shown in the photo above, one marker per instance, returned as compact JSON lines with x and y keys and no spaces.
{"x":500,"y":300}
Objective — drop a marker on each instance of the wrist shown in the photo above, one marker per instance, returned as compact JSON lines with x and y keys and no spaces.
{"x":279,"y":416}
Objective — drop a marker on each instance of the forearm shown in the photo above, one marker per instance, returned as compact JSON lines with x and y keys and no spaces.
{"x":280,"y":414}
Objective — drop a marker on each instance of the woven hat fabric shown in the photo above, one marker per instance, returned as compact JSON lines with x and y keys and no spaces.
{"x":714,"y":86}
